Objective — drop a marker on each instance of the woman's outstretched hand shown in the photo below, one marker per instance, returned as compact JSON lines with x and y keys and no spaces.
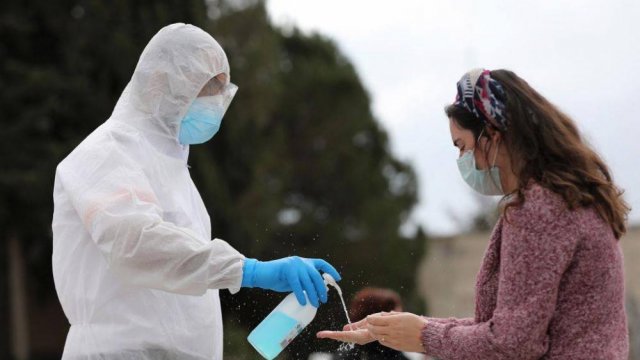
{"x":399,"y":331}
{"x":353,"y":333}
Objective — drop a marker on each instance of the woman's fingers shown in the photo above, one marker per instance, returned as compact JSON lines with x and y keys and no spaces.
{"x":360,"y":337}
{"x":379,"y":332}
{"x":356,"y":325}
{"x":380,"y":319}
{"x":378,"y":326}
{"x":401,"y":331}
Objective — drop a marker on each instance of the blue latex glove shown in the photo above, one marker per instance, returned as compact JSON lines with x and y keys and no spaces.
{"x":290,"y":274}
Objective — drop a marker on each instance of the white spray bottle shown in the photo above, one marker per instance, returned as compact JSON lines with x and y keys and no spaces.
{"x":283,"y":324}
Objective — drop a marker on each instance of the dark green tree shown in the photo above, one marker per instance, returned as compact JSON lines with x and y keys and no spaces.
{"x":300,"y":166}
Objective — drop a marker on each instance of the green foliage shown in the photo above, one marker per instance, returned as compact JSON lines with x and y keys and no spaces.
{"x":299,"y":167}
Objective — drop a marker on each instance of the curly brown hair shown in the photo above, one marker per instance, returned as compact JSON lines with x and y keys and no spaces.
{"x":546,"y":147}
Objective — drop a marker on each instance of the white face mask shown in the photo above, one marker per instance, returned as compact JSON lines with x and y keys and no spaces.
{"x":486,"y":182}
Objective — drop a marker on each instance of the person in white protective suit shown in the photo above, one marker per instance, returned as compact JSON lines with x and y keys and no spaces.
{"x":134,"y":265}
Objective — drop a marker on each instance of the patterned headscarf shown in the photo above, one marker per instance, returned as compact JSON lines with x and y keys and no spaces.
{"x":483,"y":96}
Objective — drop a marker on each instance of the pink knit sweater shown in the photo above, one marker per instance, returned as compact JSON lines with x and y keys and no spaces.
{"x":551,"y":286}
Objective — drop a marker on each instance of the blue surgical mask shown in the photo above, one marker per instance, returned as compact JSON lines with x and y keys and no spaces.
{"x":202,"y":120}
{"x":486,"y":182}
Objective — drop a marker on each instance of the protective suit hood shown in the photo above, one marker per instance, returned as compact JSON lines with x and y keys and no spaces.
{"x":174,"y":66}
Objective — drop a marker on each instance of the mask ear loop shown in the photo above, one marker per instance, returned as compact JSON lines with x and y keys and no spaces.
{"x":494,"y":165}
{"x":495,"y":156}
{"x":478,"y":140}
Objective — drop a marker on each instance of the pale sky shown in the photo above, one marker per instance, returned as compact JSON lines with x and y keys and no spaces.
{"x":582,"y":55}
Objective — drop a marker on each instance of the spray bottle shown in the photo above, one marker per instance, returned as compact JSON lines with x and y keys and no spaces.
{"x":284,"y":323}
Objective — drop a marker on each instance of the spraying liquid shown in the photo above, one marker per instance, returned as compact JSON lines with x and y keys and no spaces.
{"x":331,"y":281}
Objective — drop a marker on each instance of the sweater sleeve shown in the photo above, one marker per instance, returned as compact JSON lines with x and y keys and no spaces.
{"x":451,"y":320}
{"x":538,"y":242}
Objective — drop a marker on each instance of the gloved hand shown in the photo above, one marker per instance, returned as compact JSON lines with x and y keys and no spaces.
{"x":290,"y":274}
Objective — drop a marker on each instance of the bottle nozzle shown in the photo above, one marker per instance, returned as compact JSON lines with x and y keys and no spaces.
{"x":329,"y":280}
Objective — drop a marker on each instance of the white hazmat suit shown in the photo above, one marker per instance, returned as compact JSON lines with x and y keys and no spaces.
{"x":134,"y":265}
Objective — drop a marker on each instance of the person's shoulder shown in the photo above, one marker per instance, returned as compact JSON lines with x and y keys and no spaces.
{"x":538,"y":202}
{"x":537,"y":195}
{"x":541,"y":211}
{"x":91,"y":154}
{"x":90,"y":144}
